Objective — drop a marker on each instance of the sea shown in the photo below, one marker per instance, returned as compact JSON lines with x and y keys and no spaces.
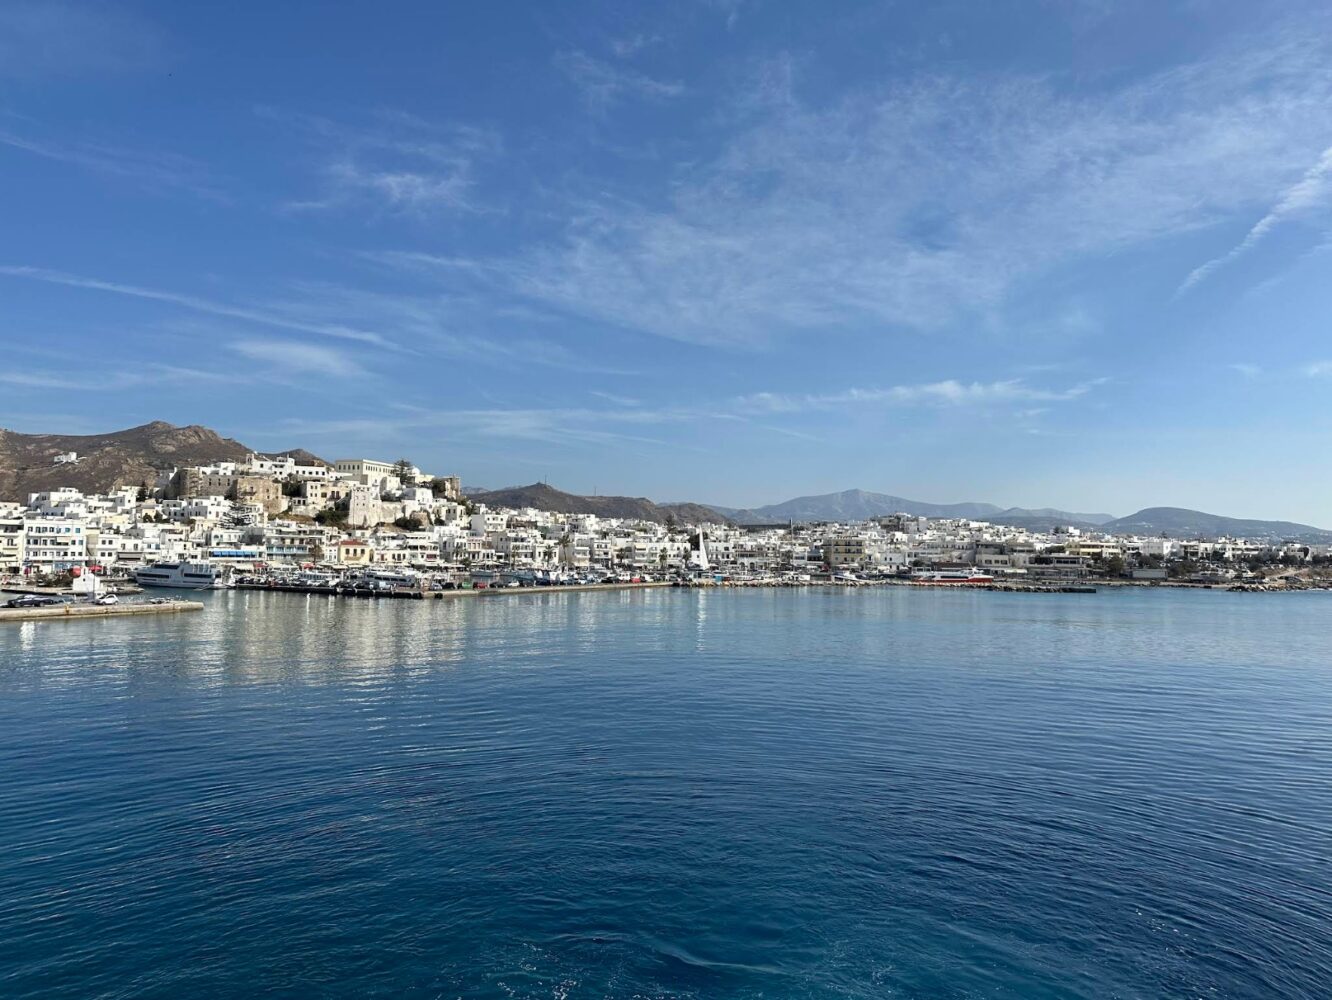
{"x":795,"y":793}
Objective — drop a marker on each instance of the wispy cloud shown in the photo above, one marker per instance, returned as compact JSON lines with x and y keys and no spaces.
{"x":392,"y":131}
{"x":631,"y":44}
{"x":297,"y":357}
{"x":603,"y":85}
{"x":457,"y":326}
{"x":52,"y":380}
{"x":194,"y":303}
{"x":1311,"y":191}
{"x":41,"y":39}
{"x":920,"y":204}
{"x":154,"y":171}
{"x":615,"y":398}
{"x":1246,"y":369}
{"x":557,"y":427}
{"x":1318,"y":369}
{"x":949,"y":392}
{"x":629,"y":420}
{"x":730,"y":8}
{"x":113,"y":380}
{"x":406,"y":190}
{"x":396,"y":162}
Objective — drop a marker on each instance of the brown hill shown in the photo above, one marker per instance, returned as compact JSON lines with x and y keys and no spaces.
{"x":134,"y":456}
{"x":544,"y":497}
{"x":120,"y":458}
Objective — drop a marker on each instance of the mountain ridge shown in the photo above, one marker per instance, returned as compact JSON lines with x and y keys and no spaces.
{"x":1181,"y":522}
{"x":545,"y":497}
{"x":1173,"y":522}
{"x":860,"y":505}
{"x":117,"y":458}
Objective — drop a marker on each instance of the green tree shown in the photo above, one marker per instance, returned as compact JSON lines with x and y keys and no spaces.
{"x":1183,"y":568}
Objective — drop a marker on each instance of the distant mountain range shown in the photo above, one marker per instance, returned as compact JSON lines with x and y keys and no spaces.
{"x":1174,"y":522}
{"x":859,"y":505}
{"x":133,"y":456}
{"x":1177,"y":522}
{"x":544,"y":497}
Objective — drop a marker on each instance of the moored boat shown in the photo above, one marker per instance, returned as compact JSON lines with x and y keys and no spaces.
{"x":944,"y":577}
{"x":181,"y":575}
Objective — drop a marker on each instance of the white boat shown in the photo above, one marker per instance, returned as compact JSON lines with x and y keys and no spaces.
{"x":951,"y":576}
{"x":384,"y":579}
{"x":182,"y":575}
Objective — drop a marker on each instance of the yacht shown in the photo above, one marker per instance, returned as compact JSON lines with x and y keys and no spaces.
{"x":182,"y":575}
{"x":383,"y":579}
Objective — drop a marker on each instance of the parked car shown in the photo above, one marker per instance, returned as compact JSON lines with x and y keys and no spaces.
{"x":106,"y":599}
{"x":33,"y":601}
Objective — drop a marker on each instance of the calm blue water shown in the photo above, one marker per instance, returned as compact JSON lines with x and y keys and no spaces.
{"x":882,"y":793}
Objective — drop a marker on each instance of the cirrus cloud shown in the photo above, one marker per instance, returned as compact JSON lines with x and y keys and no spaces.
{"x":920,"y":204}
{"x":294,"y":356}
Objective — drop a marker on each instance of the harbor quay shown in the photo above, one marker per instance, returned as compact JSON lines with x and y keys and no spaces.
{"x":69,"y":612}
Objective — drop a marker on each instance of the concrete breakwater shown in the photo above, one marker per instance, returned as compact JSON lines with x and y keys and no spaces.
{"x":64,"y":612}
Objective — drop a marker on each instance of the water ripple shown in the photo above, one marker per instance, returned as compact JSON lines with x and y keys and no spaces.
{"x":884,"y":793}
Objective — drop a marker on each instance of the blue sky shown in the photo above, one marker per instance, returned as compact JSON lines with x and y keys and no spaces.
{"x":1072,"y":254}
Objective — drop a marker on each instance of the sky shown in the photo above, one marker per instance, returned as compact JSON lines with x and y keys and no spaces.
{"x":1071,"y":254}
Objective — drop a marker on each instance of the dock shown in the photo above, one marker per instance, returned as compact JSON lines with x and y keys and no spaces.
{"x":418,"y":594}
{"x":67,"y":612}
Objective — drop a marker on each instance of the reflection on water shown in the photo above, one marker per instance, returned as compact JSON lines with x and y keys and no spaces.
{"x":672,"y":793}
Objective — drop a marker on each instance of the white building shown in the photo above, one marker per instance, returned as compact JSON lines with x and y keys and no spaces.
{"x":54,"y":544}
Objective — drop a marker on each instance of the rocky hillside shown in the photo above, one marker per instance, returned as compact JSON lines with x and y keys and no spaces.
{"x":544,"y":497}
{"x":120,"y":458}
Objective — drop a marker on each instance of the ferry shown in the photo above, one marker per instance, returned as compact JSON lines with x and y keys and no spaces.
{"x":942,"y":577}
{"x":182,"y":575}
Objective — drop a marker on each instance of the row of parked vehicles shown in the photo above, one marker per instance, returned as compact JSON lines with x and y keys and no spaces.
{"x":52,"y":600}
{"x":563,"y":580}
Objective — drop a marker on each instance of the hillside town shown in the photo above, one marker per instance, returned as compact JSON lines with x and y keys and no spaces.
{"x":276,"y":515}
